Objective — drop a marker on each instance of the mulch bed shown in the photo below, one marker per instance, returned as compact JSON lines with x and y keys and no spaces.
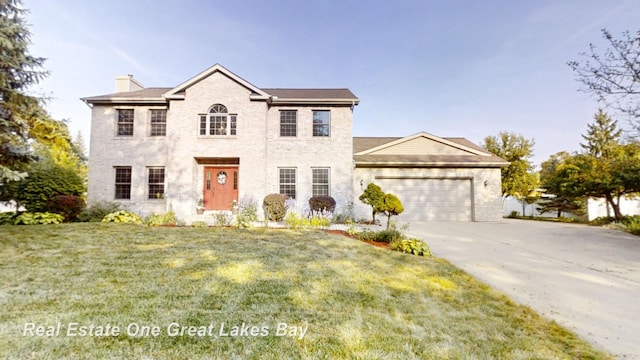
{"x":372,"y":243}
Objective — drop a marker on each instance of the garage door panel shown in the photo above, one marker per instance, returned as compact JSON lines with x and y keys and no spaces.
{"x":432,"y":199}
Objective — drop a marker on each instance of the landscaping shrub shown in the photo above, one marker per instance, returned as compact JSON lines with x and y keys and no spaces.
{"x":97,"y":211}
{"x":123,"y":216}
{"x":367,"y":235}
{"x":46,"y":180}
{"x":411,"y":246}
{"x":345,"y":216}
{"x":274,"y":207}
{"x":322,"y":204}
{"x":8,"y":218}
{"x":373,"y":196}
{"x":69,"y":206}
{"x":38,"y":218}
{"x":632,"y":224}
{"x":199,"y":224}
{"x":247,"y":214}
{"x":602,"y":220}
{"x":222,"y":219}
{"x":168,"y":218}
{"x":293,"y":221}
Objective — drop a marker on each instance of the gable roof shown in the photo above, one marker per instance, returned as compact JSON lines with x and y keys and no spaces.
{"x":421,"y":150}
{"x":178,"y":91}
{"x":279,"y":96}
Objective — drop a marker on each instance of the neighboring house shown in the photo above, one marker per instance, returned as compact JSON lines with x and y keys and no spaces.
{"x":218,"y":138}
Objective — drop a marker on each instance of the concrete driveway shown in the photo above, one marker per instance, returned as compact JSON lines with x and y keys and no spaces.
{"x":585,"y":278}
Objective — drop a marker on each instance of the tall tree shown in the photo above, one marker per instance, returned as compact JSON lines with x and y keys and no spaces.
{"x":18,"y":71}
{"x":551,"y":179}
{"x":518,"y":179}
{"x":613,"y":76}
{"x":602,"y":136}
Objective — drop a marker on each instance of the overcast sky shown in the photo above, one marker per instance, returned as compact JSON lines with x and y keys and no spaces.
{"x":450,"y":68}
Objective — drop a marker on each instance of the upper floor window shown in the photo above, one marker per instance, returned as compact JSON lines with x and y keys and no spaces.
{"x":321,"y":122}
{"x":125,"y":122}
{"x":320,"y":182}
{"x":218,"y":121}
{"x":288,"y":123}
{"x":123,"y":182}
{"x":158,"y":122}
{"x":156,"y":183}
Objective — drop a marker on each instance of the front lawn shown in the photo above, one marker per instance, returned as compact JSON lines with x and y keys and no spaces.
{"x":178,"y":293}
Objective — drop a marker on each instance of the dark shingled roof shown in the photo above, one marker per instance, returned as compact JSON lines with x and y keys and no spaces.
{"x":312,"y":93}
{"x":283,"y":94}
{"x":148,"y":93}
{"x":364,"y":143}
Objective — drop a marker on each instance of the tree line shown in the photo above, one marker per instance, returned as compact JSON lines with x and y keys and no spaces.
{"x":39,"y":160}
{"x":608,"y":165}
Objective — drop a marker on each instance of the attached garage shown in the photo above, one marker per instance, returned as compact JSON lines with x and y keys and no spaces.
{"x":437,"y":179}
{"x":432,"y":199}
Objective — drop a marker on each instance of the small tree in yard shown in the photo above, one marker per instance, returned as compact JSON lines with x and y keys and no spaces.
{"x":390,"y":206}
{"x":374,"y":197}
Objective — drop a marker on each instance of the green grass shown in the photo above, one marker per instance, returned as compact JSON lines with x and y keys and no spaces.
{"x":359,"y":302}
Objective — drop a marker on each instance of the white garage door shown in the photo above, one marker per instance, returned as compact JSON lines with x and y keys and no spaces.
{"x":431,"y":199}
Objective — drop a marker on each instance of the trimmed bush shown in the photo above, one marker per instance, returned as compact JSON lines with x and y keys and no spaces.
{"x":274,"y":207}
{"x":97,"y":211}
{"x":123,"y":216}
{"x":38,"y":218}
{"x":322,"y":204}
{"x":69,"y":206}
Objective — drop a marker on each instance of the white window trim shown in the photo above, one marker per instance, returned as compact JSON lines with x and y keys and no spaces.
{"x":148,"y":132}
{"x":328,"y":179}
{"x":295,"y":183}
{"x":330,"y":121}
{"x":164,"y":183}
{"x":280,"y":124}
{"x":115,"y":122}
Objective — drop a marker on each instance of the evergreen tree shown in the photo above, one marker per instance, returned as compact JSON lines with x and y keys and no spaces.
{"x":18,"y":71}
{"x":602,"y":136}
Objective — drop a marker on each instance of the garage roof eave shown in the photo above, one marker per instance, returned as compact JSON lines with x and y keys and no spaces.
{"x":431,"y":164}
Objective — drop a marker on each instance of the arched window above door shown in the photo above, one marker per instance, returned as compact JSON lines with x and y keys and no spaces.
{"x":218,"y":122}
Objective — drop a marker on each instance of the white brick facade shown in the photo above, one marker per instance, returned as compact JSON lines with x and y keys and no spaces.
{"x":257,"y":151}
{"x":258,"y":147}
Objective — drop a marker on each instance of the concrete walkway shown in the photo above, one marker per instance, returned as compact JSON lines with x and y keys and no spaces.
{"x":585,"y":278}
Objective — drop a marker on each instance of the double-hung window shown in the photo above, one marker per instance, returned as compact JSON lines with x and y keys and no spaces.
{"x":320,"y":181}
{"x":156,"y":183}
{"x":123,"y":182}
{"x":125,"y":122}
{"x":321,"y":122}
{"x":218,"y":122}
{"x":158,"y":122}
{"x":288,"y":123}
{"x":287,"y":182}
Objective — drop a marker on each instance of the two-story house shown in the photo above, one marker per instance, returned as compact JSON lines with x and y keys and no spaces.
{"x":218,"y":139}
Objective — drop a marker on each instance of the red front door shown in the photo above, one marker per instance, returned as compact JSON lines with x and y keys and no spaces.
{"x":220,"y":187}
